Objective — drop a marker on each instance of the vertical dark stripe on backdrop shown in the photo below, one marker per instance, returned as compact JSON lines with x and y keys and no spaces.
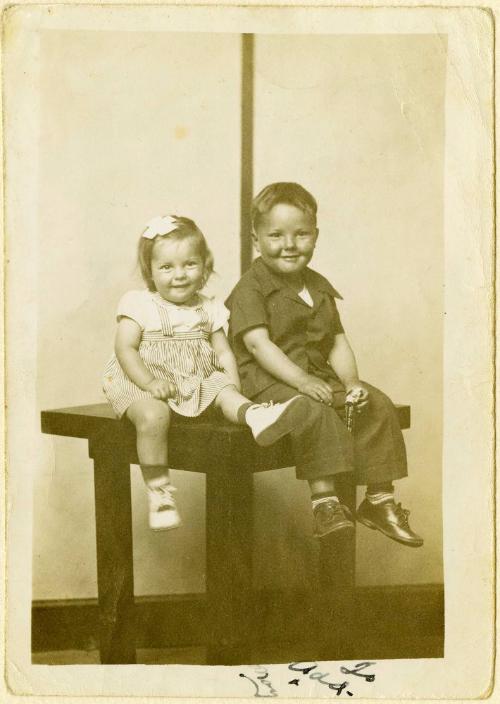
{"x":247,"y":79}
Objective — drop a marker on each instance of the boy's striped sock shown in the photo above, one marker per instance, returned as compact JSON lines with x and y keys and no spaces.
{"x":378,"y":493}
{"x":323,"y":497}
{"x":380,"y":497}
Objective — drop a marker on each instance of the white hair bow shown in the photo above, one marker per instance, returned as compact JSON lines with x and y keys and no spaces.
{"x":161,"y":225}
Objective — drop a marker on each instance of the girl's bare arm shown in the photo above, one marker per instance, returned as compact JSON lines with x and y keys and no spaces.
{"x":225,"y":355}
{"x":127,"y":340}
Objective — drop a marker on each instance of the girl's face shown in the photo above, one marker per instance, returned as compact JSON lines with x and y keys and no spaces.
{"x":286,"y":237}
{"x":177,"y":269}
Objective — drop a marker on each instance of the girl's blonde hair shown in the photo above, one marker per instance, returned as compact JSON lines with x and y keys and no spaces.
{"x":186,"y":229}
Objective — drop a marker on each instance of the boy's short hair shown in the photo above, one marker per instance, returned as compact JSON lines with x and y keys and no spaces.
{"x":282,"y":192}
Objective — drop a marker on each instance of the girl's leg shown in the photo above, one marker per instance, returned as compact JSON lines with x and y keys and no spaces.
{"x":233,"y":404}
{"x":151,"y":418}
{"x":268,"y":422}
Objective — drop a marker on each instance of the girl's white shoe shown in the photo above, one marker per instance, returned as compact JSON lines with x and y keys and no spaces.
{"x":163,"y":514}
{"x":271,"y":421}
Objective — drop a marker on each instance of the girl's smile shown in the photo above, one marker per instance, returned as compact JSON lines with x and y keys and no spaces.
{"x":177,"y":269}
{"x":286,"y":237}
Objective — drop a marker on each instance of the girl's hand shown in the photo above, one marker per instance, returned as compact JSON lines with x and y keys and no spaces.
{"x":357,"y":394}
{"x":161,"y":389}
{"x":316,"y":388}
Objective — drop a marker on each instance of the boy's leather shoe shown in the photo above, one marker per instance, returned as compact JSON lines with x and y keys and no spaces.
{"x":390,"y":519}
{"x":330,"y":516}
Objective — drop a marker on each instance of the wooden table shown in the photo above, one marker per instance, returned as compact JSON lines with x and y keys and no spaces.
{"x":228,"y":456}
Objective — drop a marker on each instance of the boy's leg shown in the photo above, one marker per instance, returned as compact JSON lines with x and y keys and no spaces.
{"x":322,"y":449}
{"x":379,"y":449}
{"x":322,"y":445}
{"x":380,"y":458}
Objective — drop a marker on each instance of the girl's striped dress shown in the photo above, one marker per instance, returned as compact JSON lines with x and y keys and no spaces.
{"x":174,"y":346}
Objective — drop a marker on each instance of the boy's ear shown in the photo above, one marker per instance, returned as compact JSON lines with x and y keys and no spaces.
{"x":255,"y":241}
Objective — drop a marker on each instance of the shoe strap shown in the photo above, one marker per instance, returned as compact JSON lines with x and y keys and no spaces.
{"x":162,"y":495}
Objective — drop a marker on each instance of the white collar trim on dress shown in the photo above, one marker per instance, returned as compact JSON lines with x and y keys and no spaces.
{"x":168,"y":304}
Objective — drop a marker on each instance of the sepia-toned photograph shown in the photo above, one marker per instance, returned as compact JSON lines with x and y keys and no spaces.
{"x":248,"y":310}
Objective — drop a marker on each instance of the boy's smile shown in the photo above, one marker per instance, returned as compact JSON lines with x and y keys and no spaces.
{"x":285,"y":238}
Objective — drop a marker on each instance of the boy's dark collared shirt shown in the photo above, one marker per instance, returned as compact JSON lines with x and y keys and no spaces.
{"x":304,"y":334}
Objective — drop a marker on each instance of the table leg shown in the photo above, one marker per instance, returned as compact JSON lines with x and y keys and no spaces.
{"x":337,"y":564}
{"x":115,"y":577}
{"x":229,"y":555}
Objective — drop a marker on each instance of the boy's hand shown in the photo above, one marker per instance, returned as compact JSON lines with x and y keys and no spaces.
{"x":316,"y":388}
{"x":357,"y":394}
{"x":161,"y":389}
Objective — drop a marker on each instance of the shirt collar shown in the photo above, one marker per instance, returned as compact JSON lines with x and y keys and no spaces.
{"x":270,"y":281}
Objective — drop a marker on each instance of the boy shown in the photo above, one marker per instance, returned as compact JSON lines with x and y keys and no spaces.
{"x":287,"y":336}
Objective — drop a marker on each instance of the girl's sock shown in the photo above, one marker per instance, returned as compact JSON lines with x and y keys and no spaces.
{"x":155,"y":475}
{"x":378,"y":493}
{"x":242,"y":412}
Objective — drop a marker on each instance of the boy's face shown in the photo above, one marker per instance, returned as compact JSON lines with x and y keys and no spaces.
{"x":286,"y":237}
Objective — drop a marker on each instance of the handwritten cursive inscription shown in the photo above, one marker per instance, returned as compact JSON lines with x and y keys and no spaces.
{"x":356,"y":671}
{"x":262,"y":683}
{"x":264,"y":688}
{"x":307,"y":669}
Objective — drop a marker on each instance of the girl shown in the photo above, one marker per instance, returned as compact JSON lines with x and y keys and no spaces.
{"x":172,"y":355}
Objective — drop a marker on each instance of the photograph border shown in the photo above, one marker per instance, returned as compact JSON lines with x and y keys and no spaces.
{"x":469,"y":354}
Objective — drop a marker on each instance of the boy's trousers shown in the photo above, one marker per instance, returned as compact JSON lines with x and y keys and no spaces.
{"x":322,"y":446}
